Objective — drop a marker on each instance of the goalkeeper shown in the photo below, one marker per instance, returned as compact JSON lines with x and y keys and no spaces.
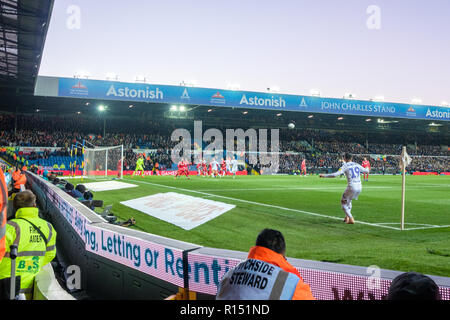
{"x":139,"y":165}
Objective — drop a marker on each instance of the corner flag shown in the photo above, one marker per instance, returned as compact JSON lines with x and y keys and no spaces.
{"x":405,"y":161}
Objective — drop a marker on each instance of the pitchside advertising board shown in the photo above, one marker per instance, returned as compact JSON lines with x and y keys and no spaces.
{"x":204,"y":271}
{"x":137,"y":92}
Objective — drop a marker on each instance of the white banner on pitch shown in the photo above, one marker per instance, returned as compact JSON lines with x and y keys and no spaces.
{"x":179,"y":209}
{"x":108,"y":185}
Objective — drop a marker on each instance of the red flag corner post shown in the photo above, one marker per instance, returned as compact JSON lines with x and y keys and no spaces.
{"x":3,"y":212}
{"x":405,"y":160}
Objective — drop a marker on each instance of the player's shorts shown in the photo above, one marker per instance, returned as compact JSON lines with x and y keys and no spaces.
{"x":351,"y":193}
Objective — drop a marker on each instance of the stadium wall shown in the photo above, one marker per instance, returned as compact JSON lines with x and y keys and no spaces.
{"x":118,"y":263}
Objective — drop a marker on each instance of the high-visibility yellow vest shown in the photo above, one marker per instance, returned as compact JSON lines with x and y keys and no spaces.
{"x":33,"y":253}
{"x":3,"y":212}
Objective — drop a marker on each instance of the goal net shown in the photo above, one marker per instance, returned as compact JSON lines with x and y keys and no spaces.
{"x":103,"y":162}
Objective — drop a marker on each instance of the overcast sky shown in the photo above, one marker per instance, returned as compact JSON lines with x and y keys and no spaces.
{"x":399,"y":49}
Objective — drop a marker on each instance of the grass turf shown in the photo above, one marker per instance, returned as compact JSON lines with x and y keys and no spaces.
{"x":290,"y":204}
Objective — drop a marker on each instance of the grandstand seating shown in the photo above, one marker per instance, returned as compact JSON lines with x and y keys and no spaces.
{"x":321,"y":148}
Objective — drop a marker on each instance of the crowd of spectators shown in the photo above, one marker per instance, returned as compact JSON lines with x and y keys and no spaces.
{"x":322,"y":149}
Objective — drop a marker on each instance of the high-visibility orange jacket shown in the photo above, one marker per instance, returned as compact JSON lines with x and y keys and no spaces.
{"x":21,"y":180}
{"x":303,"y":290}
{"x":3,"y":203}
{"x":15,"y":175}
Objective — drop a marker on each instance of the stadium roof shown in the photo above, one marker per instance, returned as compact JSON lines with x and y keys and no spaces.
{"x":23,"y":28}
{"x":228,"y":117}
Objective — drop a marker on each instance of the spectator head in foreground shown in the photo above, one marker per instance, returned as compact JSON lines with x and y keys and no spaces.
{"x":413,"y":286}
{"x":273,"y":240}
{"x":24,"y":199}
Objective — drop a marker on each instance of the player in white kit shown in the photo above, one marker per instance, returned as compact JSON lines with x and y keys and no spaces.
{"x":228,"y":164}
{"x":234,"y":167}
{"x":352,"y":171}
{"x":214,"y":168}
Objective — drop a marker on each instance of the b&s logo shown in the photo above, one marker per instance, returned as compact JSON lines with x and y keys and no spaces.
{"x":79,"y":89}
{"x":218,"y":98}
{"x":411,"y":111}
{"x":28,"y":266}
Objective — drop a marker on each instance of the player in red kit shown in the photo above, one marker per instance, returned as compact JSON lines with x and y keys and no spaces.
{"x":199,"y":169}
{"x":182,"y":169}
{"x":186,"y":168}
{"x":204,"y":168}
{"x":366,"y":164}
{"x":223,"y":168}
{"x":304,"y":167}
{"x":119,"y":168}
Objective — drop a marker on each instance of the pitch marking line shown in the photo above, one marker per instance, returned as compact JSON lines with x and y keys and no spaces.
{"x":264,"y":204}
{"x":423,"y":225}
{"x":289,"y":188}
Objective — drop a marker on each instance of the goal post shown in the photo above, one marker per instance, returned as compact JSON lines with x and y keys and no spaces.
{"x":100,"y":162}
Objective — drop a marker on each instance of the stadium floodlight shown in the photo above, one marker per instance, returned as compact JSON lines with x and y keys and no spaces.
{"x":112,"y":76}
{"x":349,"y":95}
{"x":435,"y":124}
{"x":274,"y":89}
{"x":173,"y":108}
{"x":188,"y":83}
{"x":310,"y":116}
{"x":245,"y":112}
{"x":234,"y":86}
{"x":102,"y":108}
{"x":210,"y":110}
{"x":378,"y":98}
{"x":182,"y":108}
{"x":340,"y":118}
{"x":314,"y":92}
{"x":368,"y":120}
{"x":82,"y":74}
{"x":79,"y":112}
{"x":416,"y":101}
{"x":279,"y":114}
{"x":140,"y":78}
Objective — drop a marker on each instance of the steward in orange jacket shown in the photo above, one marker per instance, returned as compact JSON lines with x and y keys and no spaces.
{"x":303,"y":290}
{"x":3,"y":213}
{"x":18,"y":180}
{"x":266,"y":274}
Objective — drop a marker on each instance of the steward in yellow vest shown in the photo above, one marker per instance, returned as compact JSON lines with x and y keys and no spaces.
{"x":35,"y":249}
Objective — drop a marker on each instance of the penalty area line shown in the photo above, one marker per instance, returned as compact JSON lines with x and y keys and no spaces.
{"x":261,"y":204}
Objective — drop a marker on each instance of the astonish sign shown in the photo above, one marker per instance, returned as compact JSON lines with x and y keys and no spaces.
{"x":169,"y":94}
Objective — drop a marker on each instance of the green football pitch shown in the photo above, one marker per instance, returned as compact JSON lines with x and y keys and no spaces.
{"x":307,"y":211}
